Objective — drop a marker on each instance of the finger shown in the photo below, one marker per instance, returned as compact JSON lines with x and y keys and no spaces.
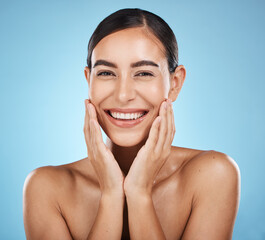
{"x":86,"y":112}
{"x":90,"y":116}
{"x":98,"y":140}
{"x":87,"y":130}
{"x":153,"y":135}
{"x":92,"y":111}
{"x":173,"y":125}
{"x":162,"y":130}
{"x":92,"y":135}
{"x":94,"y":150}
{"x":169,"y":126}
{"x":96,"y":128}
{"x":86,"y":122}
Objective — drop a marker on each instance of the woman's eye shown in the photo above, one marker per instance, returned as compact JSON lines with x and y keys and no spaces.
{"x":105,"y":74}
{"x":144,"y":74}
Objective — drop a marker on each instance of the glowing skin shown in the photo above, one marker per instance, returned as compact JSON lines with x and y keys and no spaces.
{"x":167,"y":189}
{"x":143,"y":87}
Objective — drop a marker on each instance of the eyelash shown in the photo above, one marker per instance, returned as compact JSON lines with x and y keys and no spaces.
{"x":104,"y":73}
{"x":145,"y":74}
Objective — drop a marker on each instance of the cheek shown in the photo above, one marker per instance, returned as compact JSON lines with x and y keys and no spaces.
{"x":156,"y":93}
{"x":98,"y":91}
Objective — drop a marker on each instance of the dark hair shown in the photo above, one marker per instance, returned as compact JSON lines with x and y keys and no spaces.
{"x":135,"y":17}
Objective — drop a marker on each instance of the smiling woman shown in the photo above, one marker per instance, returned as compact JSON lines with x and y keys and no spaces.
{"x":136,"y":185}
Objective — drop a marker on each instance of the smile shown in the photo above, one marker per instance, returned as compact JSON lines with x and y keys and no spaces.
{"x":126,"y":117}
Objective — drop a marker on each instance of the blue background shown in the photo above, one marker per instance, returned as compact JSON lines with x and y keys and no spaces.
{"x":43,"y":47}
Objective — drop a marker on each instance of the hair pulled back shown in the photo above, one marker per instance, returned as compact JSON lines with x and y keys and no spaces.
{"x":135,"y":17}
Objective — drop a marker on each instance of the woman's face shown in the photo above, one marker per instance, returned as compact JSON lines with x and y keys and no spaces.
{"x":129,"y":73}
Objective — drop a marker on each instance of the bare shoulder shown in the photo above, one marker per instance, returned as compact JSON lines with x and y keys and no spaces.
{"x":44,"y":187}
{"x":46,"y":191}
{"x":214,"y":180}
{"x":211,"y":165}
{"x":47,"y":178}
{"x":41,"y":208}
{"x":208,"y":172}
{"x":56,"y":178}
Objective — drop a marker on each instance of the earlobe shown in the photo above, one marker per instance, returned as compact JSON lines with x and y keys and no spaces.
{"x":87,"y":75}
{"x":177,"y":80}
{"x":173,"y":93}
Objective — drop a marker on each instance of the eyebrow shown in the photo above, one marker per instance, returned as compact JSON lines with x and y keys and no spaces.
{"x":144,"y":63}
{"x":104,"y":63}
{"x":133,"y":65}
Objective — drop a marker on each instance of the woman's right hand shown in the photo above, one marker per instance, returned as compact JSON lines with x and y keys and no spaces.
{"x":110,"y":176}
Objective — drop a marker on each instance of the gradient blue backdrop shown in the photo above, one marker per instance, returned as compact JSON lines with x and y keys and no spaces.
{"x":221,"y":106}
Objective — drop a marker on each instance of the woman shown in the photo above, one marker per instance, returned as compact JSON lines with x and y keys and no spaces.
{"x":136,"y":186}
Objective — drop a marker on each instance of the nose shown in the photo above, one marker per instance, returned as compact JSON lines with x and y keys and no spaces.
{"x":124,"y":90}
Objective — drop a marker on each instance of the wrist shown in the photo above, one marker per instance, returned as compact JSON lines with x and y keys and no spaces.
{"x":138,"y":194}
{"x":113,"y":194}
{"x":139,"y":200}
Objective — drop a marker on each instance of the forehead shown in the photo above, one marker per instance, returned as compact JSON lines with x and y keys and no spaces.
{"x":129,"y":45}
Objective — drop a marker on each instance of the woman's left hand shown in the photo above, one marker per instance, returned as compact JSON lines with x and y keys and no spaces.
{"x":152,"y":156}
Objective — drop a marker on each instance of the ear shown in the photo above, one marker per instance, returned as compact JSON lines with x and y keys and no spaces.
{"x":87,"y":75}
{"x":176,"y":82}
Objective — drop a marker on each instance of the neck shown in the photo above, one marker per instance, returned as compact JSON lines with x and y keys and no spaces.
{"x":124,"y":155}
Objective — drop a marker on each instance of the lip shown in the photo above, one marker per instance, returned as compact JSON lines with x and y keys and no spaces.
{"x":126,"y":123}
{"x":127,"y":110}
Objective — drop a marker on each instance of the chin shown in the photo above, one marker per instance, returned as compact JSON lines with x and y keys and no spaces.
{"x":127,"y":139}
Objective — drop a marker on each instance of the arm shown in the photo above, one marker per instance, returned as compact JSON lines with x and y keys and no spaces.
{"x":43,"y":219}
{"x":41,"y":212}
{"x":216,"y":198}
{"x":138,"y":184}
{"x":143,"y":221}
{"x":109,"y":220}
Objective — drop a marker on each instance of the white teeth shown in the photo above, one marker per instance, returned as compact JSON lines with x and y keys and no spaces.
{"x":130,"y":116}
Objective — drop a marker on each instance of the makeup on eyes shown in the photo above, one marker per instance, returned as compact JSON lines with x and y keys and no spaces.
{"x":138,"y":74}
{"x":138,"y":64}
{"x":105,"y":73}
